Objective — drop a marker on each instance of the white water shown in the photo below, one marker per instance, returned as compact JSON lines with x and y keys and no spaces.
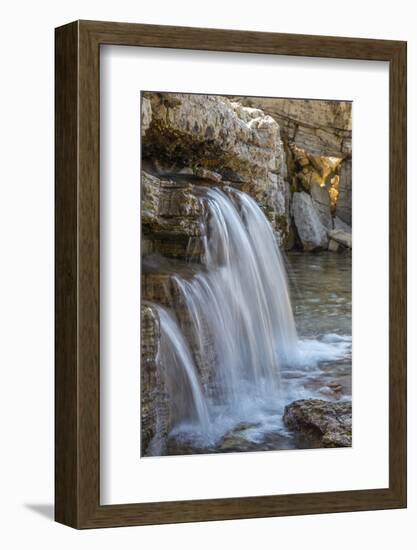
{"x":187,"y":399}
{"x":239,"y":303}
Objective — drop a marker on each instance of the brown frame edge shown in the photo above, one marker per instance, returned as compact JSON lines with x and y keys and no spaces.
{"x":77,"y":377}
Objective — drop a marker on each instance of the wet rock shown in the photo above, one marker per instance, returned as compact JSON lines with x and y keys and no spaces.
{"x":334,"y":246}
{"x":335,"y":386}
{"x":184,"y":443}
{"x":234,"y":440}
{"x":321,"y":127}
{"x":157,"y":287}
{"x":332,"y":390}
{"x":312,"y":233}
{"x":328,"y":423}
{"x":155,"y":410}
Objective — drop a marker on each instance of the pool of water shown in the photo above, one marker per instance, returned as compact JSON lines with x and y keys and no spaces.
{"x":321,"y":296}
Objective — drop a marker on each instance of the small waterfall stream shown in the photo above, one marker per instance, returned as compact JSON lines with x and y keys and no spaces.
{"x":239,"y":302}
{"x":241,"y":299}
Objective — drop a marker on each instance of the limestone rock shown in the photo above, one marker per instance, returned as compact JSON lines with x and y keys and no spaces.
{"x":223,"y":141}
{"x":330,"y":423}
{"x":312,"y":233}
{"x":155,"y":410}
{"x":334,"y":246}
{"x":212,"y":131}
{"x":208,"y":174}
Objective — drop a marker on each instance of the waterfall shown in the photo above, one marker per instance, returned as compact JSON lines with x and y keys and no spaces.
{"x":239,"y":302}
{"x":187,"y":399}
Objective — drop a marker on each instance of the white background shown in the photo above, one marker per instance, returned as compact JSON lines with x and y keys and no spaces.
{"x":124,"y":477}
{"x":26,"y":289}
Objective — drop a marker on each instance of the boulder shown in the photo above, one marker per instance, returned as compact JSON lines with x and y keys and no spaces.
{"x":311,"y":232}
{"x":341,"y":225}
{"x":320,"y":127}
{"x":321,"y":201}
{"x":328,"y":423}
{"x":344,"y":199}
{"x":341,"y":237}
{"x":155,"y":409}
{"x":219,"y":140}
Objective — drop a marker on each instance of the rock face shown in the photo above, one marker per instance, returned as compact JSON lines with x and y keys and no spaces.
{"x":171,"y":215}
{"x":269,"y":148}
{"x":317,"y":137}
{"x":329,"y":423}
{"x":341,"y":237}
{"x":155,"y":421}
{"x":311,"y":231}
{"x":321,"y":202}
{"x":340,"y":224}
{"x":344,"y":201}
{"x":320,"y":127}
{"x":212,"y":140}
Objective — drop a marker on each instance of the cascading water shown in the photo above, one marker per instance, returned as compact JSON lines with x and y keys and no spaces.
{"x":238,"y":302}
{"x":180,"y":372}
{"x":242,"y":300}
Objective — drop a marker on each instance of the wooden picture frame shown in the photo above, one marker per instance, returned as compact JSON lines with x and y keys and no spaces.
{"x":77,"y":405}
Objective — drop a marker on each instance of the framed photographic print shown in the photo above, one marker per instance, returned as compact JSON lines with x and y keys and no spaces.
{"x":230,"y":274}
